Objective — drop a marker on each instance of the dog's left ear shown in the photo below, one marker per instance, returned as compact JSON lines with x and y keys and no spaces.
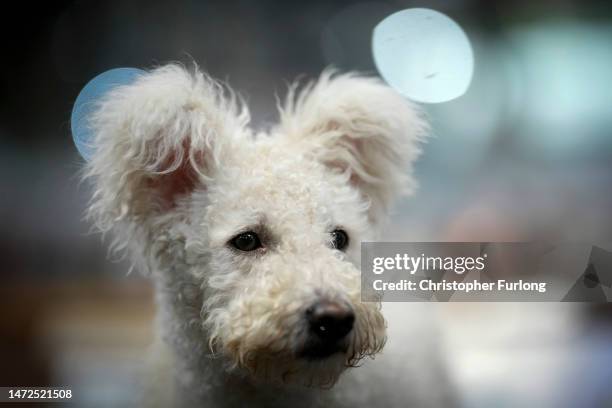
{"x":361,"y":127}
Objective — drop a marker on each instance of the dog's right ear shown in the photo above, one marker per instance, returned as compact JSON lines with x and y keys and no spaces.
{"x":157,"y":139}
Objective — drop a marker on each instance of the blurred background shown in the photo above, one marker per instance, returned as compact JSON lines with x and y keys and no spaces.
{"x":525,"y":154}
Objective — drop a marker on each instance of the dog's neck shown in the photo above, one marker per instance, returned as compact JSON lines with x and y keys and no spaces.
{"x":199,"y":376}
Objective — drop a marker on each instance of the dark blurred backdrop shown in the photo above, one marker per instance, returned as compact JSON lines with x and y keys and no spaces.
{"x":525,"y":154}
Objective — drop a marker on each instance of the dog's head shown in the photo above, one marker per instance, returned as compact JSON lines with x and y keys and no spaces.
{"x":269,"y":225}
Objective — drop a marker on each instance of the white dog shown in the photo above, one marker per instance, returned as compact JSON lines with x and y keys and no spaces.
{"x":253,"y":241}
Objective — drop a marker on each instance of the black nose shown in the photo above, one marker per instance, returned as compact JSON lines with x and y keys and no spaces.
{"x":330,"y":321}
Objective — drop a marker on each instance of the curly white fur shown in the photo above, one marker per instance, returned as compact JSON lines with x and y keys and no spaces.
{"x":177,"y":173}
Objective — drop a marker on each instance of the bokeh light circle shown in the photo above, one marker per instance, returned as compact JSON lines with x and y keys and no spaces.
{"x":424,"y":55}
{"x":87,"y":100}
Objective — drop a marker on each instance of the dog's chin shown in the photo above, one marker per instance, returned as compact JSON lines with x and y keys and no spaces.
{"x":318,"y":367}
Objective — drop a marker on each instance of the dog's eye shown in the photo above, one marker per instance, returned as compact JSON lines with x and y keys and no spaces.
{"x":340,"y":239}
{"x":247,"y":241}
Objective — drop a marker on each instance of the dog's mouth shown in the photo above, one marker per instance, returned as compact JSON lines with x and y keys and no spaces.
{"x":321,"y":350}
